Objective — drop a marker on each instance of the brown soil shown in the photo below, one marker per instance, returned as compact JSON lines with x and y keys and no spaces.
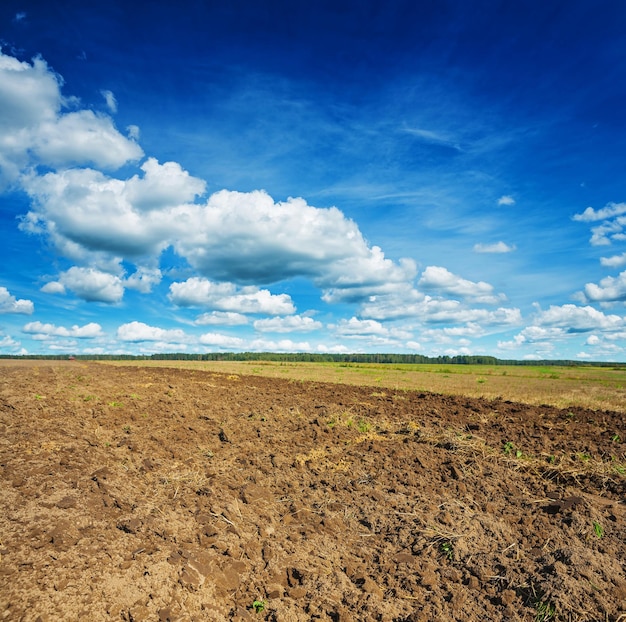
{"x":160,"y":494}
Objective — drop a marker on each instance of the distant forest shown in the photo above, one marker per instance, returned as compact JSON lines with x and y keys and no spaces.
{"x":302,"y":357}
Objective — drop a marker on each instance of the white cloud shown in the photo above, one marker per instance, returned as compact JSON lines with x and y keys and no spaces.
{"x":611,"y":210}
{"x":453,"y":333}
{"x":199,"y":292}
{"x":617,"y":261}
{"x":611,"y":228}
{"x":498,"y":247}
{"x":289,"y":324}
{"x":226,"y":318}
{"x":356,"y":327}
{"x":592,"y":340}
{"x":578,"y":319}
{"x":438,"y":278}
{"x":93,"y":285}
{"x":8,"y":343}
{"x":82,"y":137}
{"x":110,"y":100}
{"x":34,"y":130}
{"x":88,"y":331}
{"x":371,"y":330}
{"x":85,"y":212}
{"x":162,"y":186}
{"x":221,"y":341}
{"x":417,"y":306}
{"x":283,"y":345}
{"x":333,"y":349}
{"x":10,"y":304}
{"x":610,"y":289}
{"x":144,"y":279}
{"x":247,"y":237}
{"x":133,"y":132}
{"x":603,"y":234}
{"x":506,"y":200}
{"x":53,"y":287}
{"x":138,"y":331}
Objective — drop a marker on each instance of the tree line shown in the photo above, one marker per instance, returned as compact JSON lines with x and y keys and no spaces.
{"x":304,"y":357}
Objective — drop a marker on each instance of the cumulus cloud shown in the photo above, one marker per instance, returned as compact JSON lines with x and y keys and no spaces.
{"x":617,"y":261}
{"x":506,"y":200}
{"x":372,"y":330}
{"x":10,"y":304}
{"x":283,"y":345}
{"x":82,"y":137}
{"x":162,"y":186}
{"x":613,"y":217}
{"x":427,"y":309}
{"x":93,"y":285}
{"x":144,"y":279}
{"x":88,"y":331}
{"x":34,"y":130}
{"x":541,"y":337}
{"x":85,"y":212}
{"x":357,"y":327}
{"x":53,"y":287}
{"x":441,"y":279}
{"x":138,"y":331}
{"x":575,"y":319}
{"x":289,"y":324}
{"x":611,"y":210}
{"x":199,"y":292}
{"x":226,"y":318}
{"x":247,"y":237}
{"x":237,"y":237}
{"x":610,"y":289}
{"x":219,"y":340}
{"x":498,"y":247}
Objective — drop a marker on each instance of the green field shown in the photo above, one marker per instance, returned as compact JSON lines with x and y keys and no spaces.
{"x":598,"y":388}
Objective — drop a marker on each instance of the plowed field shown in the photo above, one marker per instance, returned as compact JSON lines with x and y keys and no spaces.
{"x":132,"y":493}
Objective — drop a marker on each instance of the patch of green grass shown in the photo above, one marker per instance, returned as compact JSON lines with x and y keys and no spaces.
{"x":447,"y":548}
{"x":116,"y":404}
{"x":598,"y":529}
{"x":544,"y":611}
{"x":259,"y":606}
{"x":363,"y":426}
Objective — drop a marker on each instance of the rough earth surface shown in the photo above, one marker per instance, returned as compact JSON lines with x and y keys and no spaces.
{"x":132,"y":493}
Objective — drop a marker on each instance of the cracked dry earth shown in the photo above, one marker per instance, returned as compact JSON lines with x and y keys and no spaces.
{"x":135,"y":493}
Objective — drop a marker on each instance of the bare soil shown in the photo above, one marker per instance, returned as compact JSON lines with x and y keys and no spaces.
{"x":131,"y":493}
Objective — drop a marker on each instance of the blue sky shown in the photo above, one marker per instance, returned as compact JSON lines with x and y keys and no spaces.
{"x":421,"y":177}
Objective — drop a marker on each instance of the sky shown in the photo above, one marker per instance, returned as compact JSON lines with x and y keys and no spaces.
{"x":430,"y":177}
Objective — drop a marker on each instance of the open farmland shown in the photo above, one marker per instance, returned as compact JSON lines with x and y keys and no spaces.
{"x":146,"y":492}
